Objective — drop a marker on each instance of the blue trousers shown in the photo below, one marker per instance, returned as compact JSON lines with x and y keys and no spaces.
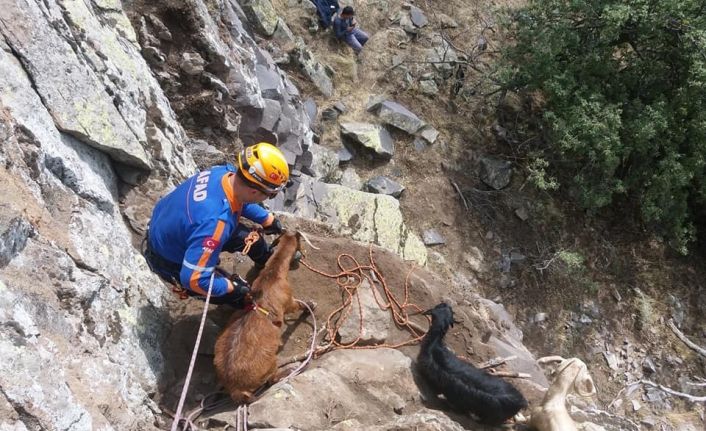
{"x":356,"y":39}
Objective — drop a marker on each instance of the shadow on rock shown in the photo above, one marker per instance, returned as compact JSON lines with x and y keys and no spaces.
{"x":173,"y":337}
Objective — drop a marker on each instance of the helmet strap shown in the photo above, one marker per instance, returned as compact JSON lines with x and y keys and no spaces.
{"x":254,"y":185}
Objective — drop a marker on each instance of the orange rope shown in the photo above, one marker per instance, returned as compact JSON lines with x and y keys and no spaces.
{"x":251,"y":239}
{"x":349,"y":280}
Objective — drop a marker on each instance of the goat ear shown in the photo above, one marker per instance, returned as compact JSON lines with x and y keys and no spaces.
{"x":275,"y":242}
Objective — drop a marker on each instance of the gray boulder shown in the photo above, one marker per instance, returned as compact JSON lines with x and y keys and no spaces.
{"x":384,"y":374}
{"x":311,"y":109}
{"x":350,"y":179}
{"x":396,"y":115}
{"x":271,"y":85}
{"x":442,"y":56}
{"x":429,"y":134}
{"x":192,"y":63}
{"x":417,"y":16}
{"x":69,"y":85}
{"x":262,"y":15}
{"x":428,"y":87}
{"x":385,"y":186}
{"x":315,"y":71}
{"x":14,"y":233}
{"x":495,"y":173}
{"x":375,"y":139}
{"x":407,"y":25}
{"x":377,"y":322}
{"x":283,"y":34}
{"x":320,"y":162}
{"x":365,"y":217}
{"x":432,"y":237}
{"x":270,"y":115}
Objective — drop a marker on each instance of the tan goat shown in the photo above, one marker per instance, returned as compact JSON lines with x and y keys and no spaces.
{"x":246,"y":350}
{"x":570,"y":374}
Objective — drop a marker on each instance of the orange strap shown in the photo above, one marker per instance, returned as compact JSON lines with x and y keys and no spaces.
{"x":180,"y":291}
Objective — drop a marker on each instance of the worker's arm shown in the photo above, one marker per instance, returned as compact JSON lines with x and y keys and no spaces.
{"x":204,"y":246}
{"x":261,"y":216}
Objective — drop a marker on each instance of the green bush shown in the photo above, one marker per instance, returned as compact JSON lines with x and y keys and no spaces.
{"x":624,"y":89}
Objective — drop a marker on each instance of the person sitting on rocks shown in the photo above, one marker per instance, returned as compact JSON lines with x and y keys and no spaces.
{"x":345,"y":27}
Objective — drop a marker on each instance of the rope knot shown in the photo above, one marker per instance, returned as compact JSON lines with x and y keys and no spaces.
{"x":251,"y":239}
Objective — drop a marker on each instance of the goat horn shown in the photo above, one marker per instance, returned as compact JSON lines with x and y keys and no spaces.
{"x":306,"y":239}
{"x":549,"y":359}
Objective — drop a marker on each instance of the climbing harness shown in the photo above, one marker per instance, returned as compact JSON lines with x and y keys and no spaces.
{"x":180,"y":291}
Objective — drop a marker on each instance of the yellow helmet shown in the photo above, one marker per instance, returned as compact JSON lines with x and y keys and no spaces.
{"x":263,"y":166}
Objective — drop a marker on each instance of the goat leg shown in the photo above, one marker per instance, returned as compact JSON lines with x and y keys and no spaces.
{"x":298,"y":305}
{"x":281,"y":374}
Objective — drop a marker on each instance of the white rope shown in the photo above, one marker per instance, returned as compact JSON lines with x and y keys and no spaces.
{"x":312,"y":348}
{"x":185,"y":389}
{"x":242,"y":412}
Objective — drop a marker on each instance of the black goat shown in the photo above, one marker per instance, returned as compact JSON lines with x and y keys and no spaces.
{"x":465,"y":387}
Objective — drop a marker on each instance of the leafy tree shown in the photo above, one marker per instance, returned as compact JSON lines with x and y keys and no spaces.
{"x":624,"y":85}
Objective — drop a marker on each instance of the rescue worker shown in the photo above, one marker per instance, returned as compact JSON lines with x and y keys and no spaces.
{"x":191,"y":225}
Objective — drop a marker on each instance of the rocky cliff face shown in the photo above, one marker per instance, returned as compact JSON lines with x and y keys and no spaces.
{"x":102,"y":110}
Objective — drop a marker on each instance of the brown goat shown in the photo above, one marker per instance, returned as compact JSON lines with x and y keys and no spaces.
{"x":246,"y":350}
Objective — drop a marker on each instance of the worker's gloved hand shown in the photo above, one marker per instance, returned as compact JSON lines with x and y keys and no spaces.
{"x":241,"y":288}
{"x":275,"y":228}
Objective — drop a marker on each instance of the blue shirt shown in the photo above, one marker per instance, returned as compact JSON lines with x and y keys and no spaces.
{"x":340,"y":26}
{"x":190,"y":225}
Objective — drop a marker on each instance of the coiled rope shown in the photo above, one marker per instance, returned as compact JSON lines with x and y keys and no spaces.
{"x":349,"y":279}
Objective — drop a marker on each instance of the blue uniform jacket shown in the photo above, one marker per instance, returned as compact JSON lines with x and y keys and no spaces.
{"x":340,"y":26}
{"x":191,"y":224}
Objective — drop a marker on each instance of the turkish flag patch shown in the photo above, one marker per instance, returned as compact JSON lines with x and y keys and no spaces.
{"x":210,"y":243}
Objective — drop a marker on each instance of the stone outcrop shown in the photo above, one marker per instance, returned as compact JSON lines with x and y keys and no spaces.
{"x":362,"y":216}
{"x":313,"y":69}
{"x":81,"y":319}
{"x":262,"y":15}
{"x":377,"y":322}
